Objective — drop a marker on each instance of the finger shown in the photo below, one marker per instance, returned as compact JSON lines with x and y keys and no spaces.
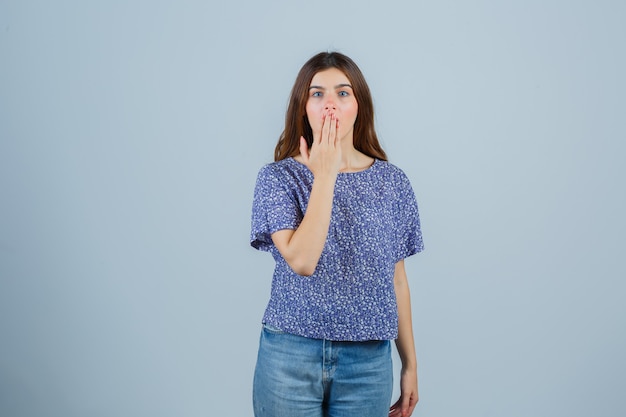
{"x":395,"y":410}
{"x":304,"y":149}
{"x":332,"y":131}
{"x":412,"y":404}
{"x":326,"y":128}
{"x":317,"y":136}
{"x":406,"y":402}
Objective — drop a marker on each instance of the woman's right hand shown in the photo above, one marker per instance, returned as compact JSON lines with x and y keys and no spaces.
{"x":324,"y":156}
{"x":302,"y":248}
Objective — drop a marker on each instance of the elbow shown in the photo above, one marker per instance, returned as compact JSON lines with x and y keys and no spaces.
{"x":305,"y":269}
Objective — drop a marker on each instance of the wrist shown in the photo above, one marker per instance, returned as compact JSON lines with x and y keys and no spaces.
{"x":327,"y":179}
{"x":409,"y":366}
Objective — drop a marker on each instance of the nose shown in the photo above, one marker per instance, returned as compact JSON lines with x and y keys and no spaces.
{"x":330,"y":105}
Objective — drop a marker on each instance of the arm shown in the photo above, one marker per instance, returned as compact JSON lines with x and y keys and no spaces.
{"x":406,"y":347}
{"x":303,"y":247}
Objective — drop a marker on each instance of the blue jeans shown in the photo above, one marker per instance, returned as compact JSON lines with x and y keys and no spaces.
{"x":297,"y":376}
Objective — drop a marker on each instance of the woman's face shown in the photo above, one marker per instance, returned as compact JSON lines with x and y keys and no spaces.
{"x":330,"y":92}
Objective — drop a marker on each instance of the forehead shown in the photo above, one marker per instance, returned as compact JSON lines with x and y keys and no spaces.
{"x":330,"y":77}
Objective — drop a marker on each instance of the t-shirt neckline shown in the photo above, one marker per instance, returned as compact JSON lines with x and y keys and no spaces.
{"x":376,"y":161}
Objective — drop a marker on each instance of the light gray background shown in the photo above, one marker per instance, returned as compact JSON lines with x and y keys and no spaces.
{"x":131,"y":133}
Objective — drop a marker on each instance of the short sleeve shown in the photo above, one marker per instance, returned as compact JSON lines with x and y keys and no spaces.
{"x":407,"y":222}
{"x":275,"y":207}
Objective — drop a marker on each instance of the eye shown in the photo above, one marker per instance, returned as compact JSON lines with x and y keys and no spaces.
{"x":316,"y":94}
{"x":343,"y":94}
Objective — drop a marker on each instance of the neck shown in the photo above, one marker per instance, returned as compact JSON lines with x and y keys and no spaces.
{"x":351,"y":159}
{"x":348,"y":152}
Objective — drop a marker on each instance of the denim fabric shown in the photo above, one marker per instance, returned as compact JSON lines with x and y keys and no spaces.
{"x":297,"y":376}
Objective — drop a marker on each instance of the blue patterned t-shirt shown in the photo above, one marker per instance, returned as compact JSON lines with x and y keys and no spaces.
{"x":373,"y":225}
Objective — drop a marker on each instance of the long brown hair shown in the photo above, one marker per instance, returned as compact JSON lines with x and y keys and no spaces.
{"x":297,"y":123}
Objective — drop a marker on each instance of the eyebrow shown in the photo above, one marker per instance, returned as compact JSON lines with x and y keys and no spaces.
{"x":336,"y":87}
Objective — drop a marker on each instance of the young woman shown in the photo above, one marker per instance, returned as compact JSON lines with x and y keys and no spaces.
{"x":339,"y":221}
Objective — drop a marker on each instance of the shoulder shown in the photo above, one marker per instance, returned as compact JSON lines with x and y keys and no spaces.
{"x":277,"y":169}
{"x":286,"y":174}
{"x":388,"y":166}
{"x":273,"y":166}
{"x":390,"y":171}
{"x":287,"y":165}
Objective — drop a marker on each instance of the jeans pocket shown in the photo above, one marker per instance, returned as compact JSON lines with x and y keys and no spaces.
{"x":271,"y":329}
